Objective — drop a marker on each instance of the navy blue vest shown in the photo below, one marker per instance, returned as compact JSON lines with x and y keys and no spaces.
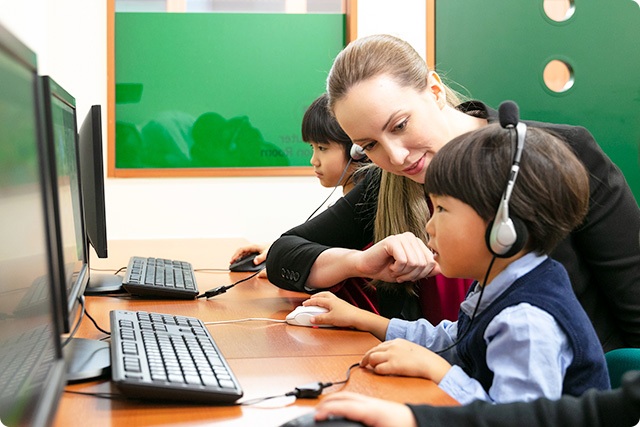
{"x":547,"y":287}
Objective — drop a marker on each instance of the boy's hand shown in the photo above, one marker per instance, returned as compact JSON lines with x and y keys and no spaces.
{"x":341,"y":313}
{"x":402,"y":357}
{"x":345,"y":315}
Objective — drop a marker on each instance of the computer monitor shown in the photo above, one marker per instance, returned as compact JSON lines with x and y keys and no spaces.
{"x":31,"y":364}
{"x":92,"y":173}
{"x":85,"y":358}
{"x":61,"y":136}
{"x":92,"y":187}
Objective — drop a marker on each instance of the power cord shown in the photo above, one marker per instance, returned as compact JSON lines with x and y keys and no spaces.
{"x":83,"y":312}
{"x":222,"y":289}
{"x":96,"y":323}
{"x":77,"y":325}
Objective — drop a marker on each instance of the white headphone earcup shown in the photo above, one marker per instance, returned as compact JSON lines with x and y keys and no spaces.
{"x":357,"y":152}
{"x":506,"y":238}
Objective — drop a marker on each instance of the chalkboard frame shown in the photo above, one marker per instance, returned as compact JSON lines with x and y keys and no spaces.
{"x":113,"y":171}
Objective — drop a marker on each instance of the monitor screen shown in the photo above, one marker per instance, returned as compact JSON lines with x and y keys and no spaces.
{"x":60,"y":119}
{"x":92,"y":177}
{"x":31,"y":364}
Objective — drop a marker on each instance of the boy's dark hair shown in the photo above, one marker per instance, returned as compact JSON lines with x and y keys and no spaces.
{"x":551,"y":193}
{"x":319,"y":125}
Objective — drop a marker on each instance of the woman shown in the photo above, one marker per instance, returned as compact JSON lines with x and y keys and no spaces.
{"x":400,"y":113}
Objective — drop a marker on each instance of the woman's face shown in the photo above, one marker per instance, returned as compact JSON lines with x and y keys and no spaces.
{"x":328,"y":161}
{"x":399,"y":127}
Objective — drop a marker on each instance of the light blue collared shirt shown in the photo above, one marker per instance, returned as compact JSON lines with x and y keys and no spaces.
{"x":526,"y":349}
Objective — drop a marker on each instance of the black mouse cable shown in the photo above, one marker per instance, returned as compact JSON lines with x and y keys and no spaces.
{"x":222,"y":289}
{"x":307,"y":391}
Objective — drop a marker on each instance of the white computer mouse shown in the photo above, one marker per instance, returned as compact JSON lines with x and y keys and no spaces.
{"x":302,"y":315}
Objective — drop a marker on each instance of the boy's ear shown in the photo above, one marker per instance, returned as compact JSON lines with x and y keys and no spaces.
{"x":434,"y":83}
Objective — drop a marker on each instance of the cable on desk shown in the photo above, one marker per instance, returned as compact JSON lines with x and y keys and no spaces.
{"x":245,"y":320}
{"x":222,"y":289}
{"x":108,"y":269}
{"x":95,"y":323}
{"x":105,"y":395}
{"x":77,"y":325}
{"x":306,"y":391}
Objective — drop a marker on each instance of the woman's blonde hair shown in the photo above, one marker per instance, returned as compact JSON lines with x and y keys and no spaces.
{"x":402,"y":205}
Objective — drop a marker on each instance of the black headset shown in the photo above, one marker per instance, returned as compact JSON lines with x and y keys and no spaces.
{"x":506,"y":235}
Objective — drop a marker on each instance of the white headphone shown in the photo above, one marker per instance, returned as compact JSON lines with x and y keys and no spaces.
{"x":357,"y":152}
{"x":506,"y":236}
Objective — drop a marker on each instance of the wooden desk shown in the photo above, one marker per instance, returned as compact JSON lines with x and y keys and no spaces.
{"x":267,"y":358}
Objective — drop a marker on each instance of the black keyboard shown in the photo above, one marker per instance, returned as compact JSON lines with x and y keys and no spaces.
{"x":166,"y":357}
{"x":162,"y":278}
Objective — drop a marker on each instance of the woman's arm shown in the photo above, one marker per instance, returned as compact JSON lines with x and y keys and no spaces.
{"x":348,"y":224}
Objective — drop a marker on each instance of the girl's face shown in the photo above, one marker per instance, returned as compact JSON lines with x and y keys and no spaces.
{"x":399,"y":127}
{"x":329,"y":162}
{"x":457,"y":239}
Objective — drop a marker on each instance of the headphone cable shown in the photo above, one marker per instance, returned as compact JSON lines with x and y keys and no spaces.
{"x":332,"y":191}
{"x":475,"y":310}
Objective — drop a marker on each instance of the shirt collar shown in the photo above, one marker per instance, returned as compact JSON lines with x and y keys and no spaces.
{"x":500,"y":283}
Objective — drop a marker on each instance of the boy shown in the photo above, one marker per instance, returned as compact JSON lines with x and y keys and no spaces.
{"x":523,"y":337}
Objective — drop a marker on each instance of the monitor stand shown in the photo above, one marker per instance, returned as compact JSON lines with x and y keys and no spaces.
{"x":87,"y":359}
{"x":100,"y":284}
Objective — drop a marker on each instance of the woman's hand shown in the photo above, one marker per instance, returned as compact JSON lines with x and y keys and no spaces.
{"x":402,"y":357}
{"x":368,"y":410}
{"x":345,"y":315}
{"x":253,"y":247}
{"x":399,"y":258}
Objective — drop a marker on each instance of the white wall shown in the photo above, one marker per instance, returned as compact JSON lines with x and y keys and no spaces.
{"x":69,"y":38}
{"x":406,"y":19}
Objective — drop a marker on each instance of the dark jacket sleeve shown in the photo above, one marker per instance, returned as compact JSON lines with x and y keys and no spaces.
{"x":612,"y":408}
{"x":602,"y":255}
{"x":346,"y":224}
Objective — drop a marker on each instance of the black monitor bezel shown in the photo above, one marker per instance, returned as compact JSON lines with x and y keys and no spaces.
{"x":69,"y":293}
{"x":92,"y":178}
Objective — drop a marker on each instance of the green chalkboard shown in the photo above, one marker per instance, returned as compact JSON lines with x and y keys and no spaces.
{"x":218,"y":90}
{"x":498,"y":49}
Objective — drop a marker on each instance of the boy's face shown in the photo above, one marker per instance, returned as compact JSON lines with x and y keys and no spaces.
{"x":457,"y":239}
{"x":328,"y":162}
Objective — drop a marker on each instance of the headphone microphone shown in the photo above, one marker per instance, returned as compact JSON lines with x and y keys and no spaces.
{"x":506,"y":235}
{"x":357,"y":152}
